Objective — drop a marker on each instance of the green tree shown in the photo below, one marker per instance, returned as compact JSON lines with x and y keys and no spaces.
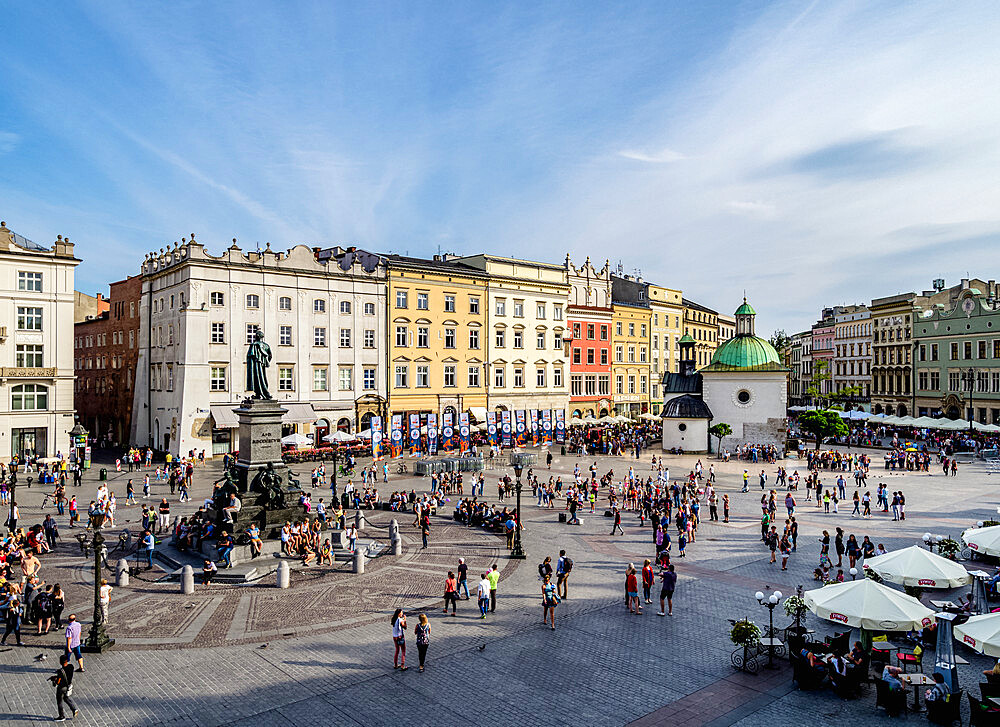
{"x":720,"y":431}
{"x":779,"y":339}
{"x":822,"y":424}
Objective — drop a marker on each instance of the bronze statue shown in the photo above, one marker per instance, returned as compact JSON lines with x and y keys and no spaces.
{"x":268,"y":482}
{"x":221,"y":493}
{"x":258,"y":359}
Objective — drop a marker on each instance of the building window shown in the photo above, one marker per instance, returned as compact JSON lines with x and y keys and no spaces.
{"x":423,"y":301}
{"x":170,"y":377}
{"x":576,"y":330}
{"x":345,"y":306}
{"x":473,"y":377}
{"x":576,"y":355}
{"x":575,"y":385}
{"x":519,"y":309}
{"x":423,"y":377}
{"x":590,"y":385}
{"x":285,"y":380}
{"x":368,"y":376}
{"x":319,"y":378}
{"x":619,"y":384}
{"x":218,"y":378}
{"x":215,"y":298}
{"x":590,"y":356}
{"x":369,"y":338}
{"x":401,"y":336}
{"x":642,"y":354}
{"x":603,"y":385}
{"x":284,"y":303}
{"x":642,"y":330}
{"x":319,"y":336}
{"x":29,"y":397}
{"x":619,"y":355}
{"x":631,"y":329}
{"x":518,"y":339}
{"x":423,"y":336}
{"x":642,"y":384}
{"x":604,"y":357}
{"x":540,"y":340}
{"x":518,"y":377}
{"x":501,"y":307}
{"x":954,"y":350}
{"x":28,"y":356}
{"x":954,"y":381}
{"x":631,"y":384}
{"x":935,"y":384}
{"x":557,"y":313}
{"x":345,"y":337}
{"x":500,"y":338}
{"x":29,"y":319}
{"x":284,"y":335}
{"x":449,"y":375}
{"x":473,"y":338}
{"x":401,"y":298}
{"x":540,"y":311}
{"x":253,"y":300}
{"x":967,"y":349}
{"x":631,"y":354}
{"x":474,"y":304}
{"x":369,"y":309}
{"x":346,"y":378}
{"x":934,"y":352}
{"x":31,"y":282}
{"x":540,"y":377}
{"x":218,"y":333}
{"x":449,"y":338}
{"x":449,"y":304}
{"x":618,"y":328}
{"x":498,"y":377}
{"x":557,"y":341}
{"x":557,"y":377}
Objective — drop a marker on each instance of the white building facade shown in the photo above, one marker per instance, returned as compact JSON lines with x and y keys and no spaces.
{"x":322,"y":313}
{"x":36,"y":346}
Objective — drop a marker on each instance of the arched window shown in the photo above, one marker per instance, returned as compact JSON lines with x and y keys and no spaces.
{"x":29,"y":397}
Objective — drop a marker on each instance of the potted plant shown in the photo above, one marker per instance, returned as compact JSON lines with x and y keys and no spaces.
{"x":745,"y":634}
{"x":948,"y":548}
{"x":795,"y":608}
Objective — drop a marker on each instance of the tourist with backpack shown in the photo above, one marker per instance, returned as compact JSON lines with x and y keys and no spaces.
{"x":564,"y":567}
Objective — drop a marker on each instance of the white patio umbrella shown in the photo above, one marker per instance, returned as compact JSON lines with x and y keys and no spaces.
{"x":981,"y":633}
{"x":866,"y":604}
{"x":891,"y":421}
{"x":916,"y":566}
{"x":622,"y":419}
{"x":365,"y":434}
{"x":296,"y":440}
{"x":876,"y":417}
{"x":339,"y":436}
{"x":575,"y":421}
{"x":906,"y":421}
{"x":924,"y":422}
{"x":984,"y":541}
{"x":607,"y":420}
{"x":649,"y":416}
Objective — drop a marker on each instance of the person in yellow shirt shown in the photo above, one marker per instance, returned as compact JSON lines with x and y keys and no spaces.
{"x":493,"y":577}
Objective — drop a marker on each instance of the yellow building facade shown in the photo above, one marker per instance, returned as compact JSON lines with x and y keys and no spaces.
{"x":702,"y":324}
{"x":436,"y":337}
{"x":667,"y":308}
{"x":630,"y":369}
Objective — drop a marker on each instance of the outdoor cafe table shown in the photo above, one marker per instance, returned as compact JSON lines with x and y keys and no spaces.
{"x":883,"y":646}
{"x":943,"y":604}
{"x":916,"y":681}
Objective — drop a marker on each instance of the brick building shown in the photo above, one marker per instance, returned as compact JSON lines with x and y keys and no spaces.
{"x":106,"y":348}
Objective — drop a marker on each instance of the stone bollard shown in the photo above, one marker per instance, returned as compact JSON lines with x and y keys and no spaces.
{"x":284,"y":575}
{"x":397,"y":545}
{"x":187,"y":580}
{"x":359,"y":560}
{"x":121,"y":573}
{"x":393,"y":529}
{"x":359,"y":520}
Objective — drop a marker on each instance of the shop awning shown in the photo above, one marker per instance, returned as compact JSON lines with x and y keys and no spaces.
{"x":298,"y":414}
{"x":478,"y":413}
{"x":224,"y":416}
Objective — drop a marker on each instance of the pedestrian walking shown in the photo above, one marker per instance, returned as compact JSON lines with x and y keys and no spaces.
{"x":647,"y":580}
{"x":618,"y":523}
{"x":494,"y":577}
{"x":399,"y":640}
{"x":423,"y":633}
{"x":62,"y":680}
{"x":668,"y":581}
{"x":73,"y":644}
{"x":563,"y":567}
{"x":483,"y":593}
{"x":12,"y":622}
{"x":463,"y":577}
{"x":104,"y":598}
{"x":450,"y":593}
{"x":550,"y":599}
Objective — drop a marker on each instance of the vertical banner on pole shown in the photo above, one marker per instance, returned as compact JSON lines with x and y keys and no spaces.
{"x":505,"y":428}
{"x":520,"y":428}
{"x":560,"y":426}
{"x":547,"y":426}
{"x":432,"y":433}
{"x":447,"y":433}
{"x":396,"y":436}
{"x":491,"y":427}
{"x":376,"y":438}
{"x":414,"y":433}
{"x":463,"y":431}
{"x":533,"y":415}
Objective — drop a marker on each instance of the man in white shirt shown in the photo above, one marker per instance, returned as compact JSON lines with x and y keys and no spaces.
{"x":483,"y":592}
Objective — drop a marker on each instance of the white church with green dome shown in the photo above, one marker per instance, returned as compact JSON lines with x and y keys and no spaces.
{"x":745,"y":386}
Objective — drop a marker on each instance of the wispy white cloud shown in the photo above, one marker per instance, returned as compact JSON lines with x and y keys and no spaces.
{"x":664,"y":156}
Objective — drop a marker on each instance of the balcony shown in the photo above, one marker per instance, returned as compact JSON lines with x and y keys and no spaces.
{"x":26,"y":372}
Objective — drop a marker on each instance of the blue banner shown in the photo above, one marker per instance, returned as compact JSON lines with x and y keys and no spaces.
{"x":463,"y":431}
{"x":376,"y":426}
{"x":447,"y":433}
{"x":396,"y":436}
{"x":491,"y":427}
{"x":505,"y":428}
{"x":520,"y":428}
{"x":560,"y":426}
{"x":546,"y":426}
{"x":432,"y":433}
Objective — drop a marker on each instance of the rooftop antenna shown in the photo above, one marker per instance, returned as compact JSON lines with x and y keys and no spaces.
{"x":621,"y":269}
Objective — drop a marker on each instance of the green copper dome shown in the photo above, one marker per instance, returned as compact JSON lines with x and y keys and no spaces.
{"x":746,"y":309}
{"x":745,"y":353}
{"x":686,"y":339}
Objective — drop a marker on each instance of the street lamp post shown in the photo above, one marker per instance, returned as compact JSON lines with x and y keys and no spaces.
{"x":854,"y":573}
{"x":770,"y":603}
{"x":969,"y":379}
{"x":517,"y":551}
{"x":98,"y":640}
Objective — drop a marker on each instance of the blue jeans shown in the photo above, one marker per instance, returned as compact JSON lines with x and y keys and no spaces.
{"x":463,"y":585}
{"x":225,"y":554}
{"x":149,"y":557}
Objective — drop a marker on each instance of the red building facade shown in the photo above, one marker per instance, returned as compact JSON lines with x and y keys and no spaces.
{"x":588,"y":317}
{"x":106,"y":349}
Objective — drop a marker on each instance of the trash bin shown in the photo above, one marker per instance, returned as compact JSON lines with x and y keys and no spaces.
{"x":562,"y":449}
{"x":345,"y":501}
{"x":104,"y":473}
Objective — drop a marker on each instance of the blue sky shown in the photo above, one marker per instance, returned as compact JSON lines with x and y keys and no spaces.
{"x":812,"y":154}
